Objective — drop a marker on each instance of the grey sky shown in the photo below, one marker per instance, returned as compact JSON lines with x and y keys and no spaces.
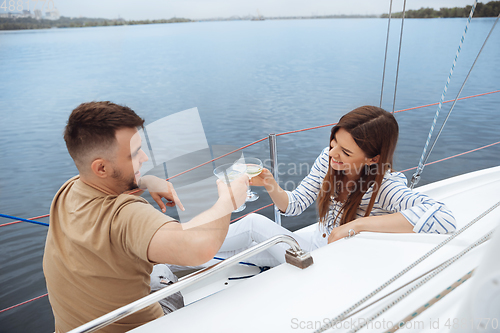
{"x":197,"y":9}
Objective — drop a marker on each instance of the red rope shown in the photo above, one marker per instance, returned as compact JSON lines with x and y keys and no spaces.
{"x":447,"y":158}
{"x":33,"y":218}
{"x":306,"y":129}
{"x":15,"y":306}
{"x":451,"y":100}
{"x":402,"y":110}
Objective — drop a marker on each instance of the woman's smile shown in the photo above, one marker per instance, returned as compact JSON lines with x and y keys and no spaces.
{"x":334,"y":161}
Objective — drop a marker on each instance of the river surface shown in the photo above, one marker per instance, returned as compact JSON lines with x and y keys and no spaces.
{"x":247,"y":79}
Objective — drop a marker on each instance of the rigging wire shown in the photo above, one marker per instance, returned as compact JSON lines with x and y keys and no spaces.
{"x":432,"y":301}
{"x":424,"y":281}
{"x":385,"y":57}
{"x":450,"y":157}
{"x":416,"y":175}
{"x":399,"y":57}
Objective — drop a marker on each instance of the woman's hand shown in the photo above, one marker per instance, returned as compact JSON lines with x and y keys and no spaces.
{"x":277,"y":194}
{"x":343,"y":231}
{"x":265,"y":178}
{"x":160,"y":188}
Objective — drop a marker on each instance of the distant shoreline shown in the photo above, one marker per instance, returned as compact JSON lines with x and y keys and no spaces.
{"x":14,"y":22}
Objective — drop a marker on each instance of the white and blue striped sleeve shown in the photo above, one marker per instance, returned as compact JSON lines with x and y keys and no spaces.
{"x":425,"y":214}
{"x":307,"y":191}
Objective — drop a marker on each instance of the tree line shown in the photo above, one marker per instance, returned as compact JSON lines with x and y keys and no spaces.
{"x":67,"y":22}
{"x":490,"y":9}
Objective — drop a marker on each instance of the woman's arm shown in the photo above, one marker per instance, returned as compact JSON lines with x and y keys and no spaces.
{"x":395,"y":223}
{"x":295,"y":202}
{"x":424,"y":213}
{"x":401,"y":210}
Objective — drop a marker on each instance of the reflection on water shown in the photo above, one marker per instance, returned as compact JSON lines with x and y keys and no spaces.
{"x":247,"y":79}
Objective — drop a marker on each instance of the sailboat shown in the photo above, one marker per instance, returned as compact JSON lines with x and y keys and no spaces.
{"x":382,"y":284}
{"x":375,"y":282}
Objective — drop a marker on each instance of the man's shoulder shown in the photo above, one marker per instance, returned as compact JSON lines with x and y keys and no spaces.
{"x":127,"y":206}
{"x":69,"y":183}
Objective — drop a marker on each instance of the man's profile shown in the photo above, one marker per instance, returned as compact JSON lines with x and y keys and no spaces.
{"x":102,"y":241}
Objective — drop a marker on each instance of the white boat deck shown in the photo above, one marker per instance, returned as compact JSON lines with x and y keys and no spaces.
{"x":287,"y":299}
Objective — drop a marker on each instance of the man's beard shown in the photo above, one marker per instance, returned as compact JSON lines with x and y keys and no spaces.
{"x":127,"y":184}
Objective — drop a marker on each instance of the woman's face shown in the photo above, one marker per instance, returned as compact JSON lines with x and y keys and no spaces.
{"x":345,"y":155}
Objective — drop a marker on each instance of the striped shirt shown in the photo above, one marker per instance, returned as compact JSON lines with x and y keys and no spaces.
{"x":425,"y":214}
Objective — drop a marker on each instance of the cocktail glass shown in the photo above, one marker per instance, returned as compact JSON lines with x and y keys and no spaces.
{"x":229,"y":172}
{"x":253,"y":168}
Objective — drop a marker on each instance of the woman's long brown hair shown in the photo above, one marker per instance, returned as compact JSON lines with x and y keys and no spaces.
{"x":375,"y":131}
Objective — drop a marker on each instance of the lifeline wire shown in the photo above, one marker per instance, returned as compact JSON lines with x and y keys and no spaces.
{"x":291,"y":132}
{"x":297,"y":131}
{"x":399,"y":57}
{"x":343,"y":315}
{"x":385,"y":57}
{"x":416,"y":175}
{"x":459,"y":92}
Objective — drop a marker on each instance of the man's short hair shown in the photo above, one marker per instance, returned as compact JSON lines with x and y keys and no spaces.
{"x":91,"y":128}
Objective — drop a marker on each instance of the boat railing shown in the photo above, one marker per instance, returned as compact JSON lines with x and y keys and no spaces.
{"x":272,"y":140}
{"x":294,"y":256}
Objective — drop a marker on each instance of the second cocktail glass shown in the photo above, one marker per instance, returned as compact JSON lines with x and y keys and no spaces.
{"x":253,"y":168}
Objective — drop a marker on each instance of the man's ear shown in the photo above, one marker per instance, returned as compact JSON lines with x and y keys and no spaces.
{"x":100,"y":168}
{"x":374,"y":160}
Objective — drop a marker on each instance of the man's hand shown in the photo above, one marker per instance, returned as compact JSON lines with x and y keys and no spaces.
{"x":160,"y":188}
{"x":234,"y":194}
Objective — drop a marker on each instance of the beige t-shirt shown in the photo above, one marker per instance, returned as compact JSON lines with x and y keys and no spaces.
{"x":95,"y":257}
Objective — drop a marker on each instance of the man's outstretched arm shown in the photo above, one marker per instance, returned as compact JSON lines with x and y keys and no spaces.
{"x":197,"y":241}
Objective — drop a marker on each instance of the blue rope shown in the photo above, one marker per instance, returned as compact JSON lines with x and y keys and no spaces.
{"x":241,"y":262}
{"x":416,"y":175}
{"x":24,"y":220}
{"x":262,"y":269}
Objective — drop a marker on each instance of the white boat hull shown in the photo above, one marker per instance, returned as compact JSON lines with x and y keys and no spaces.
{"x":287,"y":299}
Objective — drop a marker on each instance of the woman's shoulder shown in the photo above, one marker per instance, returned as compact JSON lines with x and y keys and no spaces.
{"x":395,"y":177}
{"x":323,"y":156}
{"x":325,"y":151}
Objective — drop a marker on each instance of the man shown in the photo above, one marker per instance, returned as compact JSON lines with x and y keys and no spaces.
{"x":102,"y":241}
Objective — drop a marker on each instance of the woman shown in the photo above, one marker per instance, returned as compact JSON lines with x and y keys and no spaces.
{"x":355,"y":188}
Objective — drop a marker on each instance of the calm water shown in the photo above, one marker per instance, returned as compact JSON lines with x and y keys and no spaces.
{"x":248,"y":79}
